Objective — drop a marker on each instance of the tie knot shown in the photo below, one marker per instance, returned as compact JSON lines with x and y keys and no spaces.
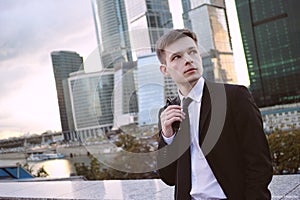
{"x":186,"y":102}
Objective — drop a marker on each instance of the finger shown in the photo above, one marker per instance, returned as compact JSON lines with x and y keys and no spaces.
{"x":171,"y":107}
{"x":175,"y":116}
{"x":168,"y":123}
{"x":170,"y":110}
{"x":174,"y":113}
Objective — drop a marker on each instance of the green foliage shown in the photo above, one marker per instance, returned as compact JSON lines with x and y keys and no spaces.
{"x":41,"y":172}
{"x":133,"y":144}
{"x":27,"y":167}
{"x":285,"y":151}
{"x":98,"y":171}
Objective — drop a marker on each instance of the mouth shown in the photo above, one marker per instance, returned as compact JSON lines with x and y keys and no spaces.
{"x":190,"y":70}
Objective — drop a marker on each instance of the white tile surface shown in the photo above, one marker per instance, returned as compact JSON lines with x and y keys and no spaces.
{"x":282,"y":187}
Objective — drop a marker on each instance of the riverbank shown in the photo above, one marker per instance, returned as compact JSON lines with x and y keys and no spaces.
{"x":67,"y":151}
{"x":12,"y":156}
{"x":83,"y":150}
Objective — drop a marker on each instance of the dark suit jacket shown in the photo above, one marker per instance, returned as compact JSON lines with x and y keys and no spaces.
{"x":240,"y":159}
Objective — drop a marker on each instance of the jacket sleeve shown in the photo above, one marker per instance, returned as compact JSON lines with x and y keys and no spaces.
{"x":255,"y":149}
{"x":167,"y":172}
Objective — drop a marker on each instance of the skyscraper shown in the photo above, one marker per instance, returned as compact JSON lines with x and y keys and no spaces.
{"x":111,"y":31}
{"x":148,"y":20}
{"x":270,"y":32}
{"x":114,"y":46}
{"x":91,"y":99}
{"x":125,"y":94}
{"x":64,"y":63}
{"x":150,"y":89}
{"x":123,"y":25}
{"x":153,"y":89}
{"x":207,"y":18}
{"x":127,"y":29}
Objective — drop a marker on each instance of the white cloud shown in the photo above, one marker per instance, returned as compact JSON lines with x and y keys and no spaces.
{"x":30,"y":31}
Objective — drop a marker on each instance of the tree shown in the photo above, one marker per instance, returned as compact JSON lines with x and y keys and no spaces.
{"x":285,"y":151}
{"x":98,"y":171}
{"x":41,"y":172}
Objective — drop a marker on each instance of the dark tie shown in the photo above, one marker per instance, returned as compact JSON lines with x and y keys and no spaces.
{"x":183,"y":152}
{"x":183,"y":135}
{"x":181,"y":142}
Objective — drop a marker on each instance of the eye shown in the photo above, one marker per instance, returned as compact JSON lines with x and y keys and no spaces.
{"x":194,"y":51}
{"x":175,"y":57}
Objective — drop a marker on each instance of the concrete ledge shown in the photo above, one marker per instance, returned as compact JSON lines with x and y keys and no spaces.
{"x":284,"y":187}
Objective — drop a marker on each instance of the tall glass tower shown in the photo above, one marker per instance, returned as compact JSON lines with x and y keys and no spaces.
{"x":91,"y":100}
{"x":64,"y":63}
{"x":126,"y":30}
{"x":148,"y":20}
{"x":112,"y":31}
{"x":125,"y":94}
{"x":270,"y":32}
{"x":150,"y":89}
{"x":207,"y":18}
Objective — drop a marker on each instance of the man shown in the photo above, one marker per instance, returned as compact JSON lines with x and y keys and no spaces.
{"x":226,"y":155}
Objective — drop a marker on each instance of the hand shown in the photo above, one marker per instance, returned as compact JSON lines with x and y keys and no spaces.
{"x":171,"y":114}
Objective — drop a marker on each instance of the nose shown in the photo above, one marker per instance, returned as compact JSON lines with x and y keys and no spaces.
{"x":188,"y":58}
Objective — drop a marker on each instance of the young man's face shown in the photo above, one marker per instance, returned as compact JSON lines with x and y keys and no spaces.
{"x":183,"y":61}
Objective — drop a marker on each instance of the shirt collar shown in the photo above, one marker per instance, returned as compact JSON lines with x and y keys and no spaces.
{"x":196,"y":92}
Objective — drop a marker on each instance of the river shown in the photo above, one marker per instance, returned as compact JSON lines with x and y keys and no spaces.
{"x":57,"y":168}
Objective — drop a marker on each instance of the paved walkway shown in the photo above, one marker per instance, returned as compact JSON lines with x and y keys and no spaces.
{"x":285,"y":187}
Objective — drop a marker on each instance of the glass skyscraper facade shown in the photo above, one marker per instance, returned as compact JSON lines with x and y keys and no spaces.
{"x":91,"y":96}
{"x":270,"y":32}
{"x":114,"y":46}
{"x":126,"y":30}
{"x":207,"y":18}
{"x":153,"y":89}
{"x":64,"y":63}
{"x":150,"y":89}
{"x":125,"y":94}
{"x":112,"y":31}
{"x":148,"y":20}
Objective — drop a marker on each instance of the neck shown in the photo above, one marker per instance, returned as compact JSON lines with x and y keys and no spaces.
{"x":185,"y":88}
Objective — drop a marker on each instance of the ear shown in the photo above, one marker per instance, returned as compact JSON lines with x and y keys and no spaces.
{"x":163,"y":69}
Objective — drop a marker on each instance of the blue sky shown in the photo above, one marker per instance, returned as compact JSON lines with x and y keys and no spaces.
{"x":30,"y":31}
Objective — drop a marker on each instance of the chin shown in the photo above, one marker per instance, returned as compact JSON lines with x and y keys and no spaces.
{"x":193,"y":78}
{"x":191,"y":81}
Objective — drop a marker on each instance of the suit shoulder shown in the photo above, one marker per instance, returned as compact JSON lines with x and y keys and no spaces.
{"x":237,"y":90}
{"x":233,"y":92}
{"x":229,"y":88}
{"x":235,"y":87}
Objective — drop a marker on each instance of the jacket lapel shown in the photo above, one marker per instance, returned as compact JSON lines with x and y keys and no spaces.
{"x":205,"y":113}
{"x":184,"y":182}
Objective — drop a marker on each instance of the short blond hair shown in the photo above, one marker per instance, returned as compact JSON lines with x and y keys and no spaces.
{"x":169,"y":38}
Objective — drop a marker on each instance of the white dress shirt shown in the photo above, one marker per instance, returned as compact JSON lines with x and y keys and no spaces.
{"x":204,"y":183}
